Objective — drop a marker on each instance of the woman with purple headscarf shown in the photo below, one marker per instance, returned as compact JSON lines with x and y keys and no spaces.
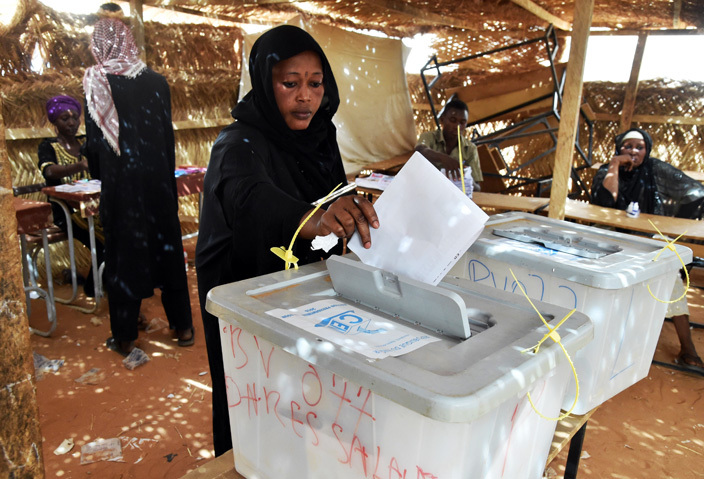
{"x":61,"y":161}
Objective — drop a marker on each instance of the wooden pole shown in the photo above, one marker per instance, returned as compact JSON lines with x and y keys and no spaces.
{"x":629,"y":100}
{"x":20,"y":437}
{"x":543,"y":14}
{"x":137,"y":14}
{"x":569,"y":115}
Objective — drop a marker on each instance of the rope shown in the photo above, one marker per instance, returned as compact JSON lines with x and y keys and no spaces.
{"x":552,"y":334}
{"x":287,"y":254}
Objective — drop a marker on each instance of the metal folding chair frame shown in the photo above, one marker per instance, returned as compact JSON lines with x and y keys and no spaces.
{"x":522,"y":129}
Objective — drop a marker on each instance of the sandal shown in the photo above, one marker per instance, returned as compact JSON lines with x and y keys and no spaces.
{"x":184,"y":342}
{"x":114,"y":345}
{"x":690,"y":363}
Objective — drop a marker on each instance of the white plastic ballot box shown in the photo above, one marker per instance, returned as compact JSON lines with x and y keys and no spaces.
{"x":602,"y":273}
{"x":307,"y":400}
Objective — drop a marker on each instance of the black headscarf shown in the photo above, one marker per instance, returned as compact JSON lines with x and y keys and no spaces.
{"x":314,"y":148}
{"x":658,"y":187}
{"x":638,"y":184}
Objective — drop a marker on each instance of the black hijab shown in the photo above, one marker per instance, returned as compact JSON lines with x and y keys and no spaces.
{"x":658,"y":187}
{"x":315,"y":148}
{"x":639,"y":184}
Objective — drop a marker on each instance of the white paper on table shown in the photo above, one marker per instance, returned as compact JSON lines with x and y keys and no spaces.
{"x":468,"y":182}
{"x":353,"y":328}
{"x":425,"y":224}
{"x":376,"y":181}
{"x":89,"y":186}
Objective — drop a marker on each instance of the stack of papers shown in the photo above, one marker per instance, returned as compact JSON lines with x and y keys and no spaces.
{"x":375,"y":181}
{"x":84,"y":186}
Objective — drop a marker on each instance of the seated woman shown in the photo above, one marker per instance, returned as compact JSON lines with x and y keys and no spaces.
{"x":659,"y":188}
{"x":61,"y":161}
{"x":265,"y":170}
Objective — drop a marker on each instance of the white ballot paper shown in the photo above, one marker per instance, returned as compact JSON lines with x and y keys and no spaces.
{"x":425,"y":224}
{"x":354,"y":328}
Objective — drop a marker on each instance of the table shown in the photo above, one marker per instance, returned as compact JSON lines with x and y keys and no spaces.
{"x":32,"y":217}
{"x":191,"y":183}
{"x":88,"y":202}
{"x":570,"y":430}
{"x":501,"y":202}
{"x":580,"y":210}
{"x":692,"y":230}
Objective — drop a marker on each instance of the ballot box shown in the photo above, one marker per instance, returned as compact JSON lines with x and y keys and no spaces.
{"x":620,"y":281}
{"x":341,"y":370}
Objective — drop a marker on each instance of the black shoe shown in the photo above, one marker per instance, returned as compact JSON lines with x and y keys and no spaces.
{"x":123,"y":348}
{"x":184,"y":339}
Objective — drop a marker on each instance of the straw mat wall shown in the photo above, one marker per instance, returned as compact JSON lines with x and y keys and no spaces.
{"x":201,"y":64}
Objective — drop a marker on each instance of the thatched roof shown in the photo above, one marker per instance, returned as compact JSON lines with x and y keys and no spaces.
{"x":403,"y":18}
{"x":202,"y":62}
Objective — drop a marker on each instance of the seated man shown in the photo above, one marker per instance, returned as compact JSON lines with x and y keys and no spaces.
{"x":441,"y":146}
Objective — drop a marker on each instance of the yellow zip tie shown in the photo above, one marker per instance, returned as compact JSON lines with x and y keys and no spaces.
{"x":459,"y":148}
{"x":671,"y":246}
{"x":552,"y":334}
{"x":287,"y":254}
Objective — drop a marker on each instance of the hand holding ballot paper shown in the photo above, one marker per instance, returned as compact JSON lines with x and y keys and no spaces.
{"x":426,"y":224}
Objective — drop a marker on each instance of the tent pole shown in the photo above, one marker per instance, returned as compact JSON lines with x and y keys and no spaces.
{"x":137,"y":13}
{"x":629,"y":101}
{"x":571,"y":101}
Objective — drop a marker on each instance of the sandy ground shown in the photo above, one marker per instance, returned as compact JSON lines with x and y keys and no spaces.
{"x":161,"y":411}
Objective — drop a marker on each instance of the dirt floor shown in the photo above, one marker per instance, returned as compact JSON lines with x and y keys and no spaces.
{"x":161,"y":411}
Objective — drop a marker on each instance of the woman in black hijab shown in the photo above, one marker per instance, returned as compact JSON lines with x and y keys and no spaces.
{"x":659,"y":188}
{"x":633,"y":175}
{"x":265,"y":170}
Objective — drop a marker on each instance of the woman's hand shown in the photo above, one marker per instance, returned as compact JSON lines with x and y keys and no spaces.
{"x":343,"y":217}
{"x":625,"y":161}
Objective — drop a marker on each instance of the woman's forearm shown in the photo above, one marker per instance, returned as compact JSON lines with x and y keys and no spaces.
{"x":611,"y":179}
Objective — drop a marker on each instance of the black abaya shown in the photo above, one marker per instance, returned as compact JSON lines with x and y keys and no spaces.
{"x":139,"y":203}
{"x":261,"y":180}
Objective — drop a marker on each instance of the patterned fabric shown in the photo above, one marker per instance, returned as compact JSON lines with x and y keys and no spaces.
{"x":680,"y":307}
{"x":63,"y":157}
{"x":116,"y":53}
{"x":59,"y":104}
{"x":52,"y":153}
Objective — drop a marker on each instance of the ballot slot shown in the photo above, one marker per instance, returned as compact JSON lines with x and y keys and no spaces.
{"x":433,"y":307}
{"x":563,"y":241}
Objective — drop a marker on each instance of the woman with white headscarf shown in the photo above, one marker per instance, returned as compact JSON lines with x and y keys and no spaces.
{"x":130,"y":148}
